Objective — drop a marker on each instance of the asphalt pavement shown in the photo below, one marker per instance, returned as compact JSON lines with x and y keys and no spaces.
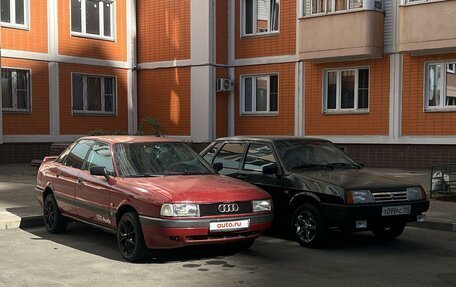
{"x":88,"y":257}
{"x":19,"y":207}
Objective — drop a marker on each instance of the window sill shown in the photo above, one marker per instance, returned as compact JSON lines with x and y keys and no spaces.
{"x":15,"y":26}
{"x":97,"y":114}
{"x":94,"y":37}
{"x":19,"y":112}
{"x":352,"y":112}
{"x":440,"y":110}
{"x":260,"y":35}
{"x":265,"y":114}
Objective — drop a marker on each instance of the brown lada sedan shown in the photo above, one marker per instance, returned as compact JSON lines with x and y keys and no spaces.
{"x":152,"y":192}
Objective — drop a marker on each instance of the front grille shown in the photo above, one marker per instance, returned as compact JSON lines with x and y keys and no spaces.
{"x":390,"y":196}
{"x":213,"y":208}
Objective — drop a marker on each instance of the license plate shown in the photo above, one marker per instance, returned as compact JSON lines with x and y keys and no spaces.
{"x":234,"y":225}
{"x":396,"y":210}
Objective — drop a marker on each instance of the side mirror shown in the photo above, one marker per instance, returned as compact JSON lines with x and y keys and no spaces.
{"x":99,"y":171}
{"x":218,"y":166}
{"x":271,"y":169}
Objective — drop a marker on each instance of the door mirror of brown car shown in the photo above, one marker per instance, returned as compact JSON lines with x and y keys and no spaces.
{"x":271,"y":169}
{"x":218,"y":166}
{"x":99,"y":171}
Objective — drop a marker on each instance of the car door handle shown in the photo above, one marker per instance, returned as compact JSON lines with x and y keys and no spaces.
{"x":57,"y":175}
{"x":242,"y":176}
{"x":80,"y":180}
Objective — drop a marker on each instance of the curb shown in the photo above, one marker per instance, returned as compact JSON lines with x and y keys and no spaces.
{"x":436,"y":224}
{"x":21,"y":222}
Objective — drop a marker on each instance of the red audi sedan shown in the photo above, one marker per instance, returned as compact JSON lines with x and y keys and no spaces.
{"x":154,"y":193}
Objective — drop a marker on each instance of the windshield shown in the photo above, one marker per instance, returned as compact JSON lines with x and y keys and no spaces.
{"x":312,"y":154}
{"x":156,"y":159}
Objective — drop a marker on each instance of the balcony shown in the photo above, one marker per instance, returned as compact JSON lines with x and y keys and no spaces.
{"x":354,"y":33}
{"x":427,"y":27}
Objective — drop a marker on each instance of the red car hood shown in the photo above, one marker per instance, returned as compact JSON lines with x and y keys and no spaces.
{"x":198,"y":188}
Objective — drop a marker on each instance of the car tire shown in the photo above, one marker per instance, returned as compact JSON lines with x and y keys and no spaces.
{"x":388,"y":232}
{"x":309,"y":226}
{"x":130,"y":238}
{"x":54,"y":221}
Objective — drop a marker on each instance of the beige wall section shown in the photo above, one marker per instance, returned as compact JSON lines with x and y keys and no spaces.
{"x":343,"y":36}
{"x":428,"y":27}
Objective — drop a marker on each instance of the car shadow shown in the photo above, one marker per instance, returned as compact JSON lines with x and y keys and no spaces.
{"x":94,"y":241}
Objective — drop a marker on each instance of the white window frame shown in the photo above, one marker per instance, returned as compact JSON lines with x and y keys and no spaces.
{"x":366,"y":5}
{"x":254,"y":80}
{"x":413,"y":2}
{"x":338,"y":109}
{"x":85,"y":110}
{"x":443,"y":86}
{"x":14,"y":109}
{"x":254,"y":23}
{"x":13,"y":23}
{"x":101,"y":36}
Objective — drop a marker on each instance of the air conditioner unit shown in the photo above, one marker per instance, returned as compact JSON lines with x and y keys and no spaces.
{"x":224,"y":85}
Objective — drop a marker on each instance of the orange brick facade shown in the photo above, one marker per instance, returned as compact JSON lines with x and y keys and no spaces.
{"x":415,"y":121}
{"x":280,"y":124}
{"x":164,"y":94}
{"x":71,"y":124}
{"x":375,"y":122}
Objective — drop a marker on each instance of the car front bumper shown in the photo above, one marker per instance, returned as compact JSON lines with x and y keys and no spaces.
{"x":162,"y":233}
{"x":339,"y":215}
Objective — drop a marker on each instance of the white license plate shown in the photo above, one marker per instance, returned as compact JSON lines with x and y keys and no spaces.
{"x":396,"y":210}
{"x":234,"y":225}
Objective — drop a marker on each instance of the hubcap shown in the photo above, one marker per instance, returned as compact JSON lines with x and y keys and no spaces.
{"x":305,"y":226}
{"x":127,"y":237}
{"x":49,"y":214}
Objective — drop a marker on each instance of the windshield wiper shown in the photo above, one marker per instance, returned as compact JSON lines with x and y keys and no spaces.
{"x":186,"y":173}
{"x":143,"y":175}
{"x":345,"y":164}
{"x":314,"y":166}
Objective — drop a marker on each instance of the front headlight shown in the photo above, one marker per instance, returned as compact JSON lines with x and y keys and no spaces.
{"x":262,"y":205}
{"x":180,"y":210}
{"x":359,"y":197}
{"x":415,"y":193}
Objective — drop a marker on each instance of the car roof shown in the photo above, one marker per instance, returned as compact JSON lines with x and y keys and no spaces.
{"x":268,"y":138}
{"x":129,"y":139}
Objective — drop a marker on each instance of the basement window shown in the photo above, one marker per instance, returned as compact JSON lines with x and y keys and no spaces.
{"x":16,"y":90}
{"x":93,"y":18}
{"x":14,"y":13}
{"x":93,"y":94}
{"x":441,"y":86}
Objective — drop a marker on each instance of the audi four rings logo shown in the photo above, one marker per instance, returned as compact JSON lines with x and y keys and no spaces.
{"x":225,"y":208}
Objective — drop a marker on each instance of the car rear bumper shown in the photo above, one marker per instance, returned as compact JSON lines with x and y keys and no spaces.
{"x":162,"y":233}
{"x":338,"y":215}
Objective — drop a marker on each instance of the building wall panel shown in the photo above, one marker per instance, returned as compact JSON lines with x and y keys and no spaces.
{"x":376,"y":122}
{"x":280,"y":124}
{"x":283,"y":43}
{"x":73,"y":124}
{"x":164,"y":94}
{"x":163,"y":30}
{"x":76,"y":46}
{"x":415,"y":121}
{"x":35,"y":122}
{"x":35,"y":39}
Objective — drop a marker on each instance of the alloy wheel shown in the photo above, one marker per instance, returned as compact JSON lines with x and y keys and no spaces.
{"x":127,"y":237}
{"x":305,"y":226}
{"x":49,"y":214}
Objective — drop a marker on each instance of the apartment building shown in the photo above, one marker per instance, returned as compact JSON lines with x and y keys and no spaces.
{"x":375,"y":76}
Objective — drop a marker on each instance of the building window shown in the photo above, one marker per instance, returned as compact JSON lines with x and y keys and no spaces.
{"x":94,"y":94}
{"x":260,"y":17}
{"x":260,"y":94}
{"x":441,"y":86}
{"x":14,"y":13}
{"x":16,"y":90}
{"x":346,"y":90}
{"x":92,"y":18}
{"x":318,"y":7}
